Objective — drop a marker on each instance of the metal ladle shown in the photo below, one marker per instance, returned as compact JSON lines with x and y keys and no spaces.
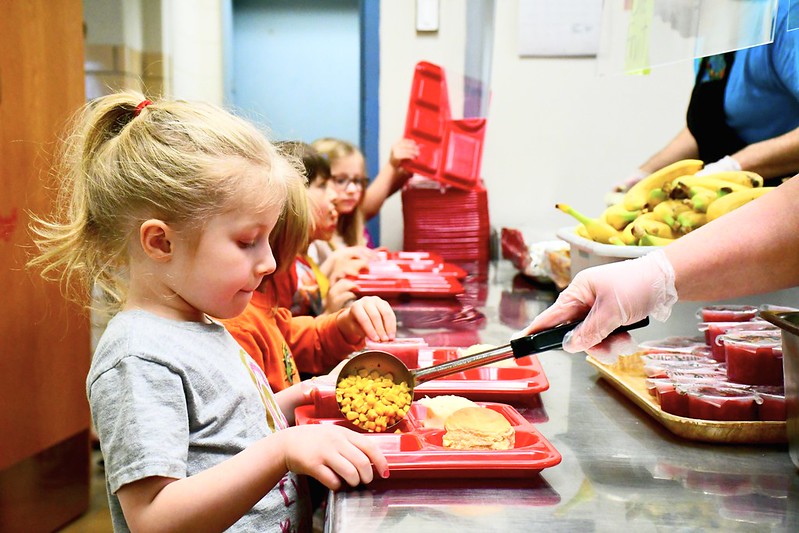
{"x":384,"y":362}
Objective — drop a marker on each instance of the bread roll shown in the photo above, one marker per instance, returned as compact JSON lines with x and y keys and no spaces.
{"x":478,"y":428}
{"x":440,"y":407}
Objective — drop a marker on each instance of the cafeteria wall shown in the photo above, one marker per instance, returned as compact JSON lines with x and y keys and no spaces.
{"x":557,"y":131}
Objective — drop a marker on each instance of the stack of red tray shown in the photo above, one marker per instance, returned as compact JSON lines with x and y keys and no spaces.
{"x":418,"y":274}
{"x":445,"y":208}
{"x":451,"y":222}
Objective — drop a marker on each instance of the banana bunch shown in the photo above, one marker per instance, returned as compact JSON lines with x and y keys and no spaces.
{"x":669,"y":203}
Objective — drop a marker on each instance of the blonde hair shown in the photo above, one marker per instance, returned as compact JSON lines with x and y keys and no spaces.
{"x":289,"y":238}
{"x":123,"y":162}
{"x":351,"y":225}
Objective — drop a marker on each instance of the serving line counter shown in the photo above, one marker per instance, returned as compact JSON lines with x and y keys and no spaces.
{"x":620,"y":468}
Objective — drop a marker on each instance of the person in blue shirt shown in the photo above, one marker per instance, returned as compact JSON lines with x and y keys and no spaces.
{"x":744,"y":110}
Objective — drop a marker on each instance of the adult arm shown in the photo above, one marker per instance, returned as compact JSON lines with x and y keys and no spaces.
{"x":771,"y":158}
{"x":752,"y":250}
{"x":683,"y":146}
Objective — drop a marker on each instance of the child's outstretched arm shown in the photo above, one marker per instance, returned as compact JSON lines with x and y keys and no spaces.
{"x":216,"y":498}
{"x":370,"y":317}
{"x":390,"y":178}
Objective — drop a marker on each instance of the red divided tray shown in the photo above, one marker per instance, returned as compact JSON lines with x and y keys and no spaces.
{"x":450,"y":151}
{"x":418,"y":452}
{"x":428,"y":286}
{"x":400,"y":256}
{"x":411,"y":269}
{"x":507,"y":384}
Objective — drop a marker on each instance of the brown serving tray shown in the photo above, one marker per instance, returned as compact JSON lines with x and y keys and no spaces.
{"x":631,"y":382}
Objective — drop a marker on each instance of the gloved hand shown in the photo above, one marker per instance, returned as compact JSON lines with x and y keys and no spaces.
{"x":609,"y":296}
{"x":634,"y":177}
{"x":725,"y":164}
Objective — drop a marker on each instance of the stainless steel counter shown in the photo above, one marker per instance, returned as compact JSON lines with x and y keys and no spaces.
{"x":621,"y":470}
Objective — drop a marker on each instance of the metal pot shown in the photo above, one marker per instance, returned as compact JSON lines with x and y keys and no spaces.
{"x":788,"y":322}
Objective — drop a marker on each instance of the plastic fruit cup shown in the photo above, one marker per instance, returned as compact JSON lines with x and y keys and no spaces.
{"x":754,"y":357}
{"x":406,"y":350}
{"x":714,"y":330}
{"x":727,"y":313}
{"x":721,"y":403}
{"x":673,"y":399}
{"x":672,"y":344}
{"x":773,"y":406}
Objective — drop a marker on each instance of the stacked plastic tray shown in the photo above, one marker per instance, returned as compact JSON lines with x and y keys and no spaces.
{"x":450,"y":221}
{"x":445,"y":207}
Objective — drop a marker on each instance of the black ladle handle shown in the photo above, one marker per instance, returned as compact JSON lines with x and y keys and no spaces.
{"x":549,"y":339}
{"x":552,"y":339}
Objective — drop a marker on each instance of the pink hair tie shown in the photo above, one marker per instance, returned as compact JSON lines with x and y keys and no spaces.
{"x":142,"y":105}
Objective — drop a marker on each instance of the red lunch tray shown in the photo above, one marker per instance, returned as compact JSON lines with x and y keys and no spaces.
{"x":508,"y":384}
{"x":417,"y":452}
{"x":450,"y":151}
{"x":419,"y":269}
{"x":431,"y":286}
{"x":406,"y":256}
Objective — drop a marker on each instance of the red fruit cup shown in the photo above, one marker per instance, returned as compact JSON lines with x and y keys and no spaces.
{"x":727,"y":313}
{"x":754,"y":357}
{"x":661,"y":369}
{"x":722,"y":403}
{"x":703,"y":352}
{"x":672,"y":398}
{"x":672,"y":344}
{"x":714,"y":330}
{"x":669,"y":357}
{"x":406,"y":350}
{"x":773,"y":406}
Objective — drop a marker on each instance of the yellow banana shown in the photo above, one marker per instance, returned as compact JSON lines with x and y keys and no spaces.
{"x":701,"y":197}
{"x":708,"y":182}
{"x":647,"y":226}
{"x":734,"y":200}
{"x":627,"y":236}
{"x":668,"y":210}
{"x":638,"y":194}
{"x":741,"y":177}
{"x":598,"y":231}
{"x":690,"y":220}
{"x":655,"y":197}
{"x":618,"y":217}
{"x":582,"y":232}
{"x":653,"y":240}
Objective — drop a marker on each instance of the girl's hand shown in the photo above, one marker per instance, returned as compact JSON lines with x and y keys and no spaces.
{"x":370,"y":317}
{"x":403,"y":149}
{"x":331,"y":454}
{"x":340,"y":294}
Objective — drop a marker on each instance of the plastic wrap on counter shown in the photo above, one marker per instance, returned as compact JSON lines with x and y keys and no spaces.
{"x":542,"y":260}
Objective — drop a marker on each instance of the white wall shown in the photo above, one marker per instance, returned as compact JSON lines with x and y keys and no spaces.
{"x":192,"y":46}
{"x":556,"y":131}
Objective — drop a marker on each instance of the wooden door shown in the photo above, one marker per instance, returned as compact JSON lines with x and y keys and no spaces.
{"x":44,"y":341}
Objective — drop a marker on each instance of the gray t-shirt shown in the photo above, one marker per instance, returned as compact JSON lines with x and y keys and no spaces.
{"x":172,"y":399}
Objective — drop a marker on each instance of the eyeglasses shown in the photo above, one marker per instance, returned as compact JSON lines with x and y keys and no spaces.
{"x":342,"y":181}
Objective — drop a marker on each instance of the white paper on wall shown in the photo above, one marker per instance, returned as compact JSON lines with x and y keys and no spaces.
{"x":559,"y":27}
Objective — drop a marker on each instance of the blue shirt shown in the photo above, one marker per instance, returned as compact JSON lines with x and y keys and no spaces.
{"x":762,"y":96}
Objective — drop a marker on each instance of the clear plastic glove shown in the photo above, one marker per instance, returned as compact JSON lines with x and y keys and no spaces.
{"x":725,"y":164}
{"x":634,"y":177}
{"x":609,"y":296}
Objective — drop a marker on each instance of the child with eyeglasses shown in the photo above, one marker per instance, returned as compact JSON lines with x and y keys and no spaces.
{"x":358,"y":200}
{"x":168,"y":206}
